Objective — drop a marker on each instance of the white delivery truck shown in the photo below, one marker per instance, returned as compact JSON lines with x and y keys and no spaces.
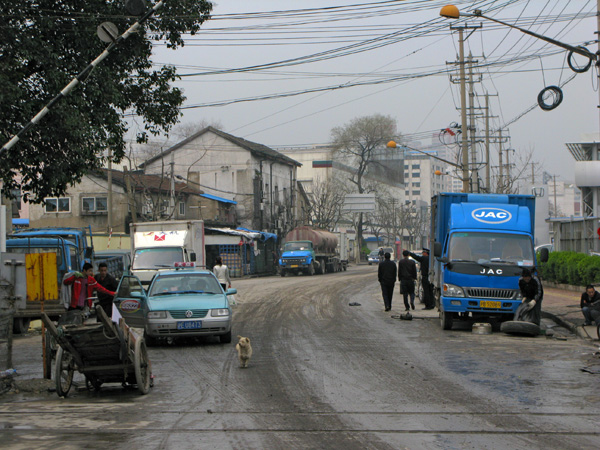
{"x":158,"y":245}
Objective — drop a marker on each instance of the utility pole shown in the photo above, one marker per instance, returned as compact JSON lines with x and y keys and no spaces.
{"x":501,"y":176}
{"x":472,"y":124}
{"x":533,"y":172}
{"x":555,"y":206}
{"x":487,"y":143}
{"x":172,"y":200}
{"x":110,"y":197}
{"x":463,"y":105}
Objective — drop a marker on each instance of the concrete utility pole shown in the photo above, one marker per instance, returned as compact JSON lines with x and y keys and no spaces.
{"x":472,"y":125}
{"x":172,"y":199}
{"x":555,"y":205}
{"x":110,"y":198}
{"x":500,"y":167}
{"x":487,"y":143}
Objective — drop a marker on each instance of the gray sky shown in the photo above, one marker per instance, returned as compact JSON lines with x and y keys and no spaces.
{"x":406,"y":47}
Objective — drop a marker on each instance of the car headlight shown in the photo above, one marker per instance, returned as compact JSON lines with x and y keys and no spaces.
{"x":157,"y":315}
{"x":219,"y":312}
{"x":451,"y":290}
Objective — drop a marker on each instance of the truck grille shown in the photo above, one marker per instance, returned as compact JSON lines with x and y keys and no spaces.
{"x":294,"y":261}
{"x":490,"y":293}
{"x":196,"y":314}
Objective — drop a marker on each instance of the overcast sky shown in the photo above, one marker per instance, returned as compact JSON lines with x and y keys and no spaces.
{"x":397,"y":52}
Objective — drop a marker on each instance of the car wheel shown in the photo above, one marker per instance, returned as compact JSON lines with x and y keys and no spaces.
{"x":521,"y":328}
{"x":225,"y":338}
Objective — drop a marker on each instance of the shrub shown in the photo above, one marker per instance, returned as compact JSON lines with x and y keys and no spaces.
{"x":573,"y":268}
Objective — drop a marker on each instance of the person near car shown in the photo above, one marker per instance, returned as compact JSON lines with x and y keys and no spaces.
{"x":424,"y":268}
{"x":532,"y":292}
{"x":590,"y":305}
{"x":82,"y":285}
{"x":382,"y":254}
{"x":407,"y":274}
{"x":386,"y":274}
{"x":108,"y":282}
{"x":222,"y":273}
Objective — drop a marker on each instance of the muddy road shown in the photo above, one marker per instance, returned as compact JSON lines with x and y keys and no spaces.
{"x":326,"y":375}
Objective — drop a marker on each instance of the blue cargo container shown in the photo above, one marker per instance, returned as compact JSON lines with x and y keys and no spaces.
{"x":481,"y":243}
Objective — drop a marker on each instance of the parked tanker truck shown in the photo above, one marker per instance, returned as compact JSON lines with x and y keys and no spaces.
{"x":310,"y":250}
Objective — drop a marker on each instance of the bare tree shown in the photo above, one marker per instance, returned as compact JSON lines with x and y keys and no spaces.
{"x":515,"y":169}
{"x":359,"y":142}
{"x":326,"y":202}
{"x":185,"y":130}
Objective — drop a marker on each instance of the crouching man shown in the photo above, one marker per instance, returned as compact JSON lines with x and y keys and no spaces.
{"x":532,"y":292}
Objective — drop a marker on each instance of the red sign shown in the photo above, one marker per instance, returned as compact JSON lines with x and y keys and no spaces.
{"x":160,"y":237}
{"x":598,"y":231}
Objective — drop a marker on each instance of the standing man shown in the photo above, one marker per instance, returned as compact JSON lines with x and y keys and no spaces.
{"x":407,"y":274}
{"x":424,"y":263}
{"x":381,"y":254}
{"x":82,"y":285}
{"x":386,"y":273}
{"x":588,"y":298}
{"x":108,"y":282}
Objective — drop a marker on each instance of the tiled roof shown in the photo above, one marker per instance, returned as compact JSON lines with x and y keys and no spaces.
{"x":141,"y":182}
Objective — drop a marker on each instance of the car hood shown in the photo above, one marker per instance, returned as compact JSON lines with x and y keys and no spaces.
{"x":187,"y":301}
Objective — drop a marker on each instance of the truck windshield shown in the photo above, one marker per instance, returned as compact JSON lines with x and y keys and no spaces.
{"x":491,"y":247}
{"x":153,"y":258}
{"x":291,"y":246}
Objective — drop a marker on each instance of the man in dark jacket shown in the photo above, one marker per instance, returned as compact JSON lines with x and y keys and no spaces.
{"x":386,"y":273}
{"x":109,"y":282}
{"x":590,"y":305}
{"x":427,"y":288}
{"x":407,"y":274}
{"x":532,"y":292}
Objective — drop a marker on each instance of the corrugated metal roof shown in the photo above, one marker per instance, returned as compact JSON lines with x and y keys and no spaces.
{"x":219,"y":199}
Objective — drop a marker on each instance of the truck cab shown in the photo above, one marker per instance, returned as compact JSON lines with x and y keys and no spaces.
{"x":296,"y":257}
{"x":481,"y":245}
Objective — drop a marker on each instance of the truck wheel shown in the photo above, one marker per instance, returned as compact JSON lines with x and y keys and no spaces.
{"x":521,"y":328}
{"x":311,"y":269}
{"x":21,"y":325}
{"x":282,"y":272}
{"x":446,"y":319}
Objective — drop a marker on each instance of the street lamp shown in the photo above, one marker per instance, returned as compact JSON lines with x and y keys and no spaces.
{"x":452,"y":12}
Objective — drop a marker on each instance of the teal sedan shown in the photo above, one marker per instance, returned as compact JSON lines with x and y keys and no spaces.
{"x":178,"y":303}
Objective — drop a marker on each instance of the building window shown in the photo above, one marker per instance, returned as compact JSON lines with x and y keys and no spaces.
{"x":16,"y":193}
{"x":182,"y":208}
{"x":406,"y":193}
{"x":416,"y":166}
{"x":416,"y":175}
{"x":406,"y":166}
{"x":416,"y":184}
{"x":57,"y":204}
{"x":416,"y":192}
{"x":94,"y":204}
{"x":405,"y":174}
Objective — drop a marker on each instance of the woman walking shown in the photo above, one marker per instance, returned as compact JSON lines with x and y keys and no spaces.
{"x":222,"y":273}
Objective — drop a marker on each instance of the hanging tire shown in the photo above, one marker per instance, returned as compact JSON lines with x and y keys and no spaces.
{"x":143,"y":373}
{"x":520,"y":328}
{"x":446,"y":320}
{"x":63,"y":372}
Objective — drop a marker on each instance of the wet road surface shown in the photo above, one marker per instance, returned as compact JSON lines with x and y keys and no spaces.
{"x":326,"y":375}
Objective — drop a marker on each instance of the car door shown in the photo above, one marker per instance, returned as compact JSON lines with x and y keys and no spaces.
{"x":131,"y":301}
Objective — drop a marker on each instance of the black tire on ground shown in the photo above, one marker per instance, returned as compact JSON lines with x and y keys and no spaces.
{"x":282,"y":273}
{"x":150,"y":341}
{"x":141,"y":363}
{"x":63,"y":372}
{"x":521,"y":328}
{"x":446,"y":319}
{"x":21,"y":325}
{"x":311,"y":269}
{"x":225,"y":338}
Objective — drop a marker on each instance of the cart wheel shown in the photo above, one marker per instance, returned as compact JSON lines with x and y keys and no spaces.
{"x":142,"y":367}
{"x":50,"y":354}
{"x":64,"y":369}
{"x":92,"y":383}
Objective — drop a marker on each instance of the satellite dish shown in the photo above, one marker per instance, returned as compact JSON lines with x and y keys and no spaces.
{"x":107,"y":32}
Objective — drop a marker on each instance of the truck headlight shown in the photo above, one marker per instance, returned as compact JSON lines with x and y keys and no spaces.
{"x":451,"y":290}
{"x":219,"y":312}
{"x":157,"y":315}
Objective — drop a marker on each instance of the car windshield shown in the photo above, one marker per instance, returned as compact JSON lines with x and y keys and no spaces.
{"x":160,"y":257}
{"x":185,"y":283}
{"x":291,"y":246}
{"x":491,"y":247}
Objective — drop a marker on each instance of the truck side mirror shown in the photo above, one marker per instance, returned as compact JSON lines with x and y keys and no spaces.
{"x":544,"y":255}
{"x":193,"y":257}
{"x":88,"y":253}
{"x":437,"y":249}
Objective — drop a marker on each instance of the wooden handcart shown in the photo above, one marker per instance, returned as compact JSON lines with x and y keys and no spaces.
{"x":103,"y":352}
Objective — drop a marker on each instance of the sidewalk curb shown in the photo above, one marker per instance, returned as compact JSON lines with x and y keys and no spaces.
{"x":579,"y":331}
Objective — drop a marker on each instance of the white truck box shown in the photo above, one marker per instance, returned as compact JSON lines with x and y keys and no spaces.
{"x":158,"y":245}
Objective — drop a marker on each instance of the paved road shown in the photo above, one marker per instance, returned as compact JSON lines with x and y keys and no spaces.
{"x":326,"y":375}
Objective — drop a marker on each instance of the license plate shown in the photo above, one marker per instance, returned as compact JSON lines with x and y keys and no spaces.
{"x":191,"y":325}
{"x":294,"y":266}
{"x":495,"y":305}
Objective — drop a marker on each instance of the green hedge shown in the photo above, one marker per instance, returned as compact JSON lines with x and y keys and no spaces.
{"x":573,"y":268}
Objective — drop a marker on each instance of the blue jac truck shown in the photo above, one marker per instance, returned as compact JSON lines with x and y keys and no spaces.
{"x":481,"y":243}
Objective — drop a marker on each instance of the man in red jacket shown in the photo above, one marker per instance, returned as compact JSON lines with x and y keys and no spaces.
{"x":83,"y":286}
